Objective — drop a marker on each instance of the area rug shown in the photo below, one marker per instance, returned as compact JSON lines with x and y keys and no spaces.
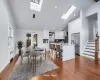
{"x":25,"y":71}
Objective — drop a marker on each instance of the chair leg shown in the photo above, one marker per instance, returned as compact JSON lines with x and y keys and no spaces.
{"x":28,"y":63}
{"x":35,"y":63}
{"x":45,"y":53}
{"x":40,"y":59}
{"x":21,"y":60}
{"x":28,"y":60}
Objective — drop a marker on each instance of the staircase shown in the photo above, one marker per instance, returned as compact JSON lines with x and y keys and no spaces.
{"x":90,"y":50}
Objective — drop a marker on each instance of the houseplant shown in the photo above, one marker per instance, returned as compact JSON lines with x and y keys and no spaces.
{"x":19,"y":45}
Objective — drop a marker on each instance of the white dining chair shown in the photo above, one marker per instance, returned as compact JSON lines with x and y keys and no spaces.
{"x":24,"y":54}
{"x":34,"y":56}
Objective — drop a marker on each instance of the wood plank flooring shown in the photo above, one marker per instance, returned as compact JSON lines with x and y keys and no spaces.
{"x":80,"y":68}
{"x":5,"y":73}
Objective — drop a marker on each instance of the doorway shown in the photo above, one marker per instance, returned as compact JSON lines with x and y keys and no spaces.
{"x":75,"y":40}
{"x":93,"y":28}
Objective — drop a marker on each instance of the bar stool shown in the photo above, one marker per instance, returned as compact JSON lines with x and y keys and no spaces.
{"x":58,"y":52}
{"x":51,"y":49}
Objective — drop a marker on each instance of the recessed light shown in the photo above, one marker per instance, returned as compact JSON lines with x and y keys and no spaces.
{"x":55,"y":7}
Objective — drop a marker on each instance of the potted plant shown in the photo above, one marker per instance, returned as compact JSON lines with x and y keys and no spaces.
{"x":19,"y":43}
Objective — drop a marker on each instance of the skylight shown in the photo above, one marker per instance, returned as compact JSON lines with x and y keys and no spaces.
{"x":36,"y":5}
{"x":69,"y":12}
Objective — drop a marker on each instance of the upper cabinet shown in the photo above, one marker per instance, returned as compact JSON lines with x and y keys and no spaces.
{"x":62,"y":35}
{"x":59,"y":35}
{"x":46,"y":34}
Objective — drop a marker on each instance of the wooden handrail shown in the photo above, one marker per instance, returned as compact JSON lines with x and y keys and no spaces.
{"x":96,"y":49}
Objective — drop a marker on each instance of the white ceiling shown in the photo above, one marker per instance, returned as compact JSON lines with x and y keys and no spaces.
{"x":49,"y":16}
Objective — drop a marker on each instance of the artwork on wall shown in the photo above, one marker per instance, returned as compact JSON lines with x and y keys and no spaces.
{"x":28,"y":41}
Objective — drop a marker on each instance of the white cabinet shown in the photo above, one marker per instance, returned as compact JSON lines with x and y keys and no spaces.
{"x":46,"y":34}
{"x":59,"y":35}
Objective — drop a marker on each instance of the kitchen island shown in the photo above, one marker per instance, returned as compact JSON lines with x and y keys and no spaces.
{"x":68,"y":50}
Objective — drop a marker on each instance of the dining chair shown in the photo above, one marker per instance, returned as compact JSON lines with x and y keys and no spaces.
{"x":28,"y":49}
{"x":58,"y":52}
{"x":50,"y":49}
{"x":24,"y":54}
{"x":33,"y":56}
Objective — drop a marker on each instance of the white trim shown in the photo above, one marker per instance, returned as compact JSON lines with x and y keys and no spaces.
{"x":10,"y":35}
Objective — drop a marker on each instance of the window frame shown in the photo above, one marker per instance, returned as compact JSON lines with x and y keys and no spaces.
{"x":10,"y":36}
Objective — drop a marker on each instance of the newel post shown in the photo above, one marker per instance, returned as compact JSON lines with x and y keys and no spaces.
{"x":96,"y":50}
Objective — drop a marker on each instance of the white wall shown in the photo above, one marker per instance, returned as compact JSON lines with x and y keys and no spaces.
{"x":84,"y":35}
{"x":4,"y":56}
{"x":92,"y":29}
{"x":4,"y":22}
{"x":21,"y":35}
{"x":11,"y":23}
{"x":94,"y":8}
{"x":73,"y":27}
{"x":79,"y":25}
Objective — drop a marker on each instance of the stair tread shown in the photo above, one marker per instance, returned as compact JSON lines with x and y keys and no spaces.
{"x":89,"y":54}
{"x":90,"y":48}
{"x":91,"y":41}
{"x":89,"y":51}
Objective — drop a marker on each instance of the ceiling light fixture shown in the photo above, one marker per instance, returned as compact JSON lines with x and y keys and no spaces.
{"x":69,"y":12}
{"x":55,"y":7}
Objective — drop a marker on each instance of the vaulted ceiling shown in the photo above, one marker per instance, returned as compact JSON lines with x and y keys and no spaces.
{"x":49,"y":16}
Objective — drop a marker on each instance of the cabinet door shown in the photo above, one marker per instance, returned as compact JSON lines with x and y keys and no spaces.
{"x":61,"y":34}
{"x":57,"y":35}
{"x":46,"y":34}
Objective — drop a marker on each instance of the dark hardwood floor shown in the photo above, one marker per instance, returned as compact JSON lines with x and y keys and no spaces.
{"x":80,"y":68}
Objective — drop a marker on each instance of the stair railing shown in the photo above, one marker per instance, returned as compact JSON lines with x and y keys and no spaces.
{"x":96,"y":48}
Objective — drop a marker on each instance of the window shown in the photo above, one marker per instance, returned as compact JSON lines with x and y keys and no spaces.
{"x":69,"y":12}
{"x":10,"y":37}
{"x":36,"y":5}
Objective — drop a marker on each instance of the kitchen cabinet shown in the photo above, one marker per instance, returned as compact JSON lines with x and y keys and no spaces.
{"x":46,"y":34}
{"x":59,"y":35}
